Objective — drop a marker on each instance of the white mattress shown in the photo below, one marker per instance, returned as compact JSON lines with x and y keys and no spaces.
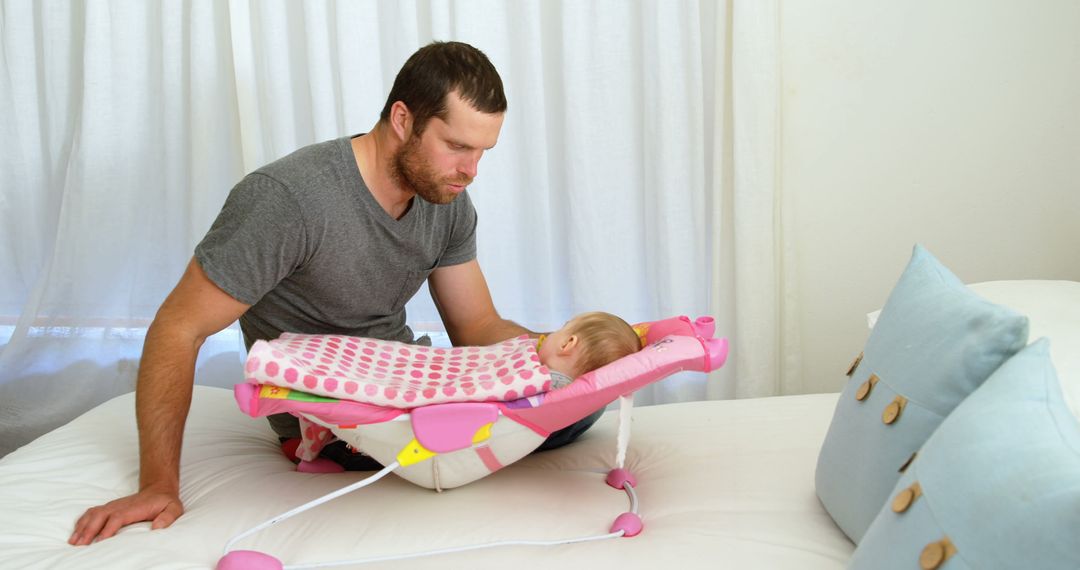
{"x":724,"y":484}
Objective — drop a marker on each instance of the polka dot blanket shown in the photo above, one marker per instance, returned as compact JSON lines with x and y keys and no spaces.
{"x":398,"y":375}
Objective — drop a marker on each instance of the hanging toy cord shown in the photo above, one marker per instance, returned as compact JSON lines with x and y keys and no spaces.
{"x":310,"y":505}
{"x":626,"y":405}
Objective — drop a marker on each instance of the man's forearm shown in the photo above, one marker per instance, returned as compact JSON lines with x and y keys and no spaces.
{"x":491,"y":332}
{"x":162,"y":401}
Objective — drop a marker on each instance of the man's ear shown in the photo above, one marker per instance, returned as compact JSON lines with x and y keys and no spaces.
{"x":401,"y":120}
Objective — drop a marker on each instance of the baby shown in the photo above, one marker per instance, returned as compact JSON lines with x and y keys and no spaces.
{"x":585,"y":343}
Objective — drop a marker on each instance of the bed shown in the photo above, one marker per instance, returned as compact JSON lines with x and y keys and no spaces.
{"x":723,"y":480}
{"x":720,"y":484}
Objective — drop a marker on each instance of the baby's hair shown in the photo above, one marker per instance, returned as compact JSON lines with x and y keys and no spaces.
{"x":604,"y":338}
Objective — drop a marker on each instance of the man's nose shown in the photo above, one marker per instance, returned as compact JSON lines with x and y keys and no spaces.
{"x":469,"y":165}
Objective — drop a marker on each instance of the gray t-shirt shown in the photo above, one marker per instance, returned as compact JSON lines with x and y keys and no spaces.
{"x":304,"y":242}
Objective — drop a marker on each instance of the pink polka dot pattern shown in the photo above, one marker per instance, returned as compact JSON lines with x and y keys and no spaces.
{"x":315,"y":437}
{"x":395,"y":374}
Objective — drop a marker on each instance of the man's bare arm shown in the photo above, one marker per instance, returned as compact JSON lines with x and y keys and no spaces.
{"x":464,"y":302}
{"x":194,"y":310}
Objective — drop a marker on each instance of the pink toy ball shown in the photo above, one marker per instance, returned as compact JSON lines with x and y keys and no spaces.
{"x":248,"y":560}
{"x":629,"y":523}
{"x":619,"y":477}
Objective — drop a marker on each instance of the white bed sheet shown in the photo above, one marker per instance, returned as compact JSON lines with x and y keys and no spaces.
{"x":724,"y":484}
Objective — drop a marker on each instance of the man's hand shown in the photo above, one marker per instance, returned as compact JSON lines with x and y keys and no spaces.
{"x":194,"y":310}
{"x":463,"y":300}
{"x":162,"y":508}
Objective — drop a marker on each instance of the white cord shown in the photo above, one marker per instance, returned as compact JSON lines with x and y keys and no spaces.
{"x":310,"y":505}
{"x":626,"y":487}
{"x":456,"y":549}
{"x":633,"y":496}
{"x":624,"y":424}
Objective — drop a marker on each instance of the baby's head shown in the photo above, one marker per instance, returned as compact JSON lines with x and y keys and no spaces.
{"x":587,"y":342}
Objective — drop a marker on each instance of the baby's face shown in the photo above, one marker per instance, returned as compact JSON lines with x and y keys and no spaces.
{"x":550,"y":347}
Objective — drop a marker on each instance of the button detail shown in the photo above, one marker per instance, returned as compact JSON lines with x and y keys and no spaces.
{"x":866,"y":387}
{"x":936,"y":553}
{"x":903,"y":500}
{"x":893,"y":410}
{"x":854,"y":364}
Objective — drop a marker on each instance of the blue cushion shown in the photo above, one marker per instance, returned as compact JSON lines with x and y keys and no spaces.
{"x":934,"y":344}
{"x":1000,"y":479}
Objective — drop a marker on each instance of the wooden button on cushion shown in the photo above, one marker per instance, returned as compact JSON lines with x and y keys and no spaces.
{"x":932,"y":556}
{"x":854,"y":364}
{"x":892,"y":411}
{"x":936,"y":553}
{"x":905,"y":498}
{"x":866,"y":387}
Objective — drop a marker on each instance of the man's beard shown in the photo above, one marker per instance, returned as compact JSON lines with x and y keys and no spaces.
{"x":413,"y":173}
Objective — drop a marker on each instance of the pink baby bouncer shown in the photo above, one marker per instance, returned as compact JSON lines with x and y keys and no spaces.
{"x":442,"y":418}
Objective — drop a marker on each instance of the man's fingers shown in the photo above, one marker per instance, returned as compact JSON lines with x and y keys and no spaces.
{"x":167,"y":516}
{"x":78,"y":530}
{"x":114,"y":523}
{"x":105,"y":521}
{"x":88,"y":526}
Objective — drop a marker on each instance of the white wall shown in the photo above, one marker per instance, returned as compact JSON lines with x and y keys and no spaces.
{"x":953,"y":124}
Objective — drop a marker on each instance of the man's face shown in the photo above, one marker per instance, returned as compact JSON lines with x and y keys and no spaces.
{"x":440,"y":163}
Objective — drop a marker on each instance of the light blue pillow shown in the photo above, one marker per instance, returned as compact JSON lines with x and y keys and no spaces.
{"x":999,"y":480}
{"x":934,"y":343}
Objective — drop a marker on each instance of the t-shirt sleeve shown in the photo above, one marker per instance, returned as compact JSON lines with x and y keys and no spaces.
{"x":256,"y":241}
{"x":462,"y":246}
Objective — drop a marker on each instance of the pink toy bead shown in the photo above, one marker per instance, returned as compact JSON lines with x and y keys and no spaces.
{"x":248,"y":560}
{"x":629,"y":523}
{"x":617,"y":477}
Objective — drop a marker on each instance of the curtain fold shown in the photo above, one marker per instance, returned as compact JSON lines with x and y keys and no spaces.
{"x":635,"y":173}
{"x":766,"y":348}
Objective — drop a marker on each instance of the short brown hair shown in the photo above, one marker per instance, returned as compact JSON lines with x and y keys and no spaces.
{"x":438,"y":69}
{"x":604,"y":339}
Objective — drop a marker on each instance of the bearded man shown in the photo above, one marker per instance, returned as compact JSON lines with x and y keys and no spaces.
{"x":330,"y":240}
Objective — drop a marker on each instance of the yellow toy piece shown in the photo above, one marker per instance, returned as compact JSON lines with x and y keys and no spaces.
{"x":482,"y":434}
{"x":414,"y":453}
{"x":642,"y":331}
{"x":273,"y":392}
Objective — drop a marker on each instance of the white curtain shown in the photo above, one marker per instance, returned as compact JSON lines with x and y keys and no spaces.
{"x":635,"y":173}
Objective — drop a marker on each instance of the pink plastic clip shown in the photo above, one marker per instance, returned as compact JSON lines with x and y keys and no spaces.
{"x":319,"y":465}
{"x":617,"y":477}
{"x":248,"y":560}
{"x":629,"y":523}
